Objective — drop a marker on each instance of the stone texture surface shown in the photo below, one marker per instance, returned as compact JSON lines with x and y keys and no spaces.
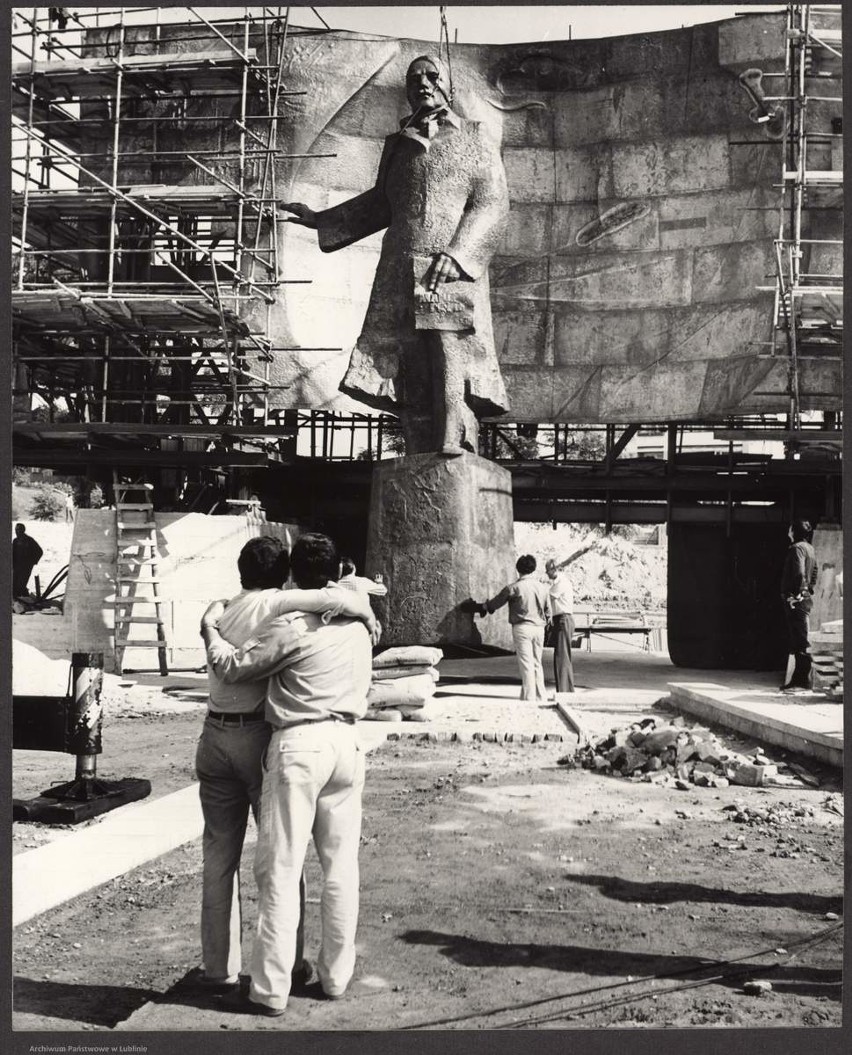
{"x":440,"y":533}
{"x":828,"y":600}
{"x":657,"y":122}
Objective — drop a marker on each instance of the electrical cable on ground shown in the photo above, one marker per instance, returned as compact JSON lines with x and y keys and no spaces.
{"x":616,"y":1001}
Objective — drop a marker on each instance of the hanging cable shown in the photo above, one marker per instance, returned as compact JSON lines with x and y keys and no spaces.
{"x":444,"y":45}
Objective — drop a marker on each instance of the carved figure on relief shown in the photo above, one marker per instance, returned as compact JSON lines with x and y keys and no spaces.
{"x":426,"y":350}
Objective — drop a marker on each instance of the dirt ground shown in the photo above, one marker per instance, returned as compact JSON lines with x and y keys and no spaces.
{"x":500,"y":890}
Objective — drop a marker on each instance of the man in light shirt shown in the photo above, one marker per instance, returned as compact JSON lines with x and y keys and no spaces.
{"x":562,"y":608}
{"x":529,"y":612}
{"x":232,"y":745}
{"x":352,"y":581}
{"x":319,"y":675}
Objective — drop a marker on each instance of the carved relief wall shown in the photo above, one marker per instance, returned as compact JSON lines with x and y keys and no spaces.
{"x":644,"y":204}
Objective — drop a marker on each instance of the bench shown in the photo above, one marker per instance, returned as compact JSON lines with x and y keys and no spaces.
{"x":617,"y":622}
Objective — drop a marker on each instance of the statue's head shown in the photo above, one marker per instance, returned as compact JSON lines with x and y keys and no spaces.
{"x":427,"y":86}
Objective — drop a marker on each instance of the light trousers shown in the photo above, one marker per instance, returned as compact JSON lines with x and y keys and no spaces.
{"x":229,"y":764}
{"x":312,"y":785}
{"x":529,"y":648}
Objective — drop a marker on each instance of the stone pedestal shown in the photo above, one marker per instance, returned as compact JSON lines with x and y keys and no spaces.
{"x":440,"y":533}
{"x":828,"y":599}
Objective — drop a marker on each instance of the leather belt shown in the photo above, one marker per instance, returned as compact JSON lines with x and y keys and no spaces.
{"x":236,"y":718}
{"x":348,"y":719}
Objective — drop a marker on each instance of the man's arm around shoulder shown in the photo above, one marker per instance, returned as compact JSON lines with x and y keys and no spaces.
{"x":259,"y":657}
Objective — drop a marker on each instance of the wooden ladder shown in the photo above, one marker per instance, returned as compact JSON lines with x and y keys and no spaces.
{"x":136,"y":554}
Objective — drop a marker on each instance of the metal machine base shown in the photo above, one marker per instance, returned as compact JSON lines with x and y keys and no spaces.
{"x":74,"y":802}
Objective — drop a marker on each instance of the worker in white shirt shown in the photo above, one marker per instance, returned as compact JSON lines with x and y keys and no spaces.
{"x":350,"y":581}
{"x":562,"y":608}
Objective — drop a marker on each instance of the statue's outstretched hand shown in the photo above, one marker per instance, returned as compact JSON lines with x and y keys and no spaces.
{"x":301,"y":214}
{"x":442,"y":269}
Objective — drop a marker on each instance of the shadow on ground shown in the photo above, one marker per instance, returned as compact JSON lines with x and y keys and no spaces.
{"x":667,"y":893}
{"x":616,"y":963}
{"x":98,"y":1005}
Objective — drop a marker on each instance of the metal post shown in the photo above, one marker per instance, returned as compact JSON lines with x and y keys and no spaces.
{"x":87,"y":672}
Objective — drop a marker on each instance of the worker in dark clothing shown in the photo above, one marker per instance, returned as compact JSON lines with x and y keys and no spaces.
{"x":26,"y":553}
{"x":798,"y":580}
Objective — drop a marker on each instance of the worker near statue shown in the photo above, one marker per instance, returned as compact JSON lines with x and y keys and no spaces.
{"x":562,"y":611}
{"x":426,"y":350}
{"x":529,"y":613}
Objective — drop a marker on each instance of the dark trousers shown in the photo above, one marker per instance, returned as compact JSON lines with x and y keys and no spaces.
{"x":20,"y":577}
{"x":797,"y":633}
{"x":563,"y":668}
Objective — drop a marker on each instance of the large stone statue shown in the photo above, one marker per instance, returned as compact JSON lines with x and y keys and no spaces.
{"x":426,"y":351}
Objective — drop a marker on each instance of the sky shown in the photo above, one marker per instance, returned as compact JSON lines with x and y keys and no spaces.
{"x":486,"y":24}
{"x":522,"y":22}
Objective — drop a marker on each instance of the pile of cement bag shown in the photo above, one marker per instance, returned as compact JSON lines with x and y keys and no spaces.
{"x":404,"y":681}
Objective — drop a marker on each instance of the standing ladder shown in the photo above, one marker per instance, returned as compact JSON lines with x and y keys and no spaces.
{"x":136,"y":554}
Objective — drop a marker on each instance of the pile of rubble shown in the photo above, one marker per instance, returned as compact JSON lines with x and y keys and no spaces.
{"x":669,"y":752}
{"x":403,"y":684}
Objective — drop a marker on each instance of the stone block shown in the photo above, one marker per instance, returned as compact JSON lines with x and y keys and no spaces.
{"x":528,"y":126}
{"x":576,"y":394}
{"x":655,"y":54}
{"x":584,"y":173}
{"x":626,"y":391}
{"x":730,"y":273}
{"x":441,"y":532}
{"x":531,"y":392}
{"x":740,"y":215}
{"x":730,"y":382}
{"x":754,"y":41}
{"x":529,"y":173}
{"x":519,"y":336}
{"x":670,"y":166}
{"x":529,"y":230}
{"x":639,"y":337}
{"x":597,"y":281}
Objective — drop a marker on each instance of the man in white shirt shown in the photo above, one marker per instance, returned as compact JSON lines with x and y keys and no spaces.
{"x":230,"y":750}
{"x":562,"y":608}
{"x":319,"y":675}
{"x":352,"y":581}
{"x":529,"y":613}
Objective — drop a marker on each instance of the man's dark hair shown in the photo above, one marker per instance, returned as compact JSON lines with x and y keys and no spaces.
{"x":802,"y":530}
{"x":314,"y":561}
{"x":263,"y":564}
{"x":347,"y":566}
{"x":525,"y":564}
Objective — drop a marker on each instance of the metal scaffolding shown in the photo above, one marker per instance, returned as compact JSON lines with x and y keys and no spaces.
{"x":144,"y":274}
{"x":808,"y":311}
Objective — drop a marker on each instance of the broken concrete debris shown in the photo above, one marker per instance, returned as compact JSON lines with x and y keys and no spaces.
{"x":757,"y":987}
{"x":669,"y":752}
{"x":404,"y":680}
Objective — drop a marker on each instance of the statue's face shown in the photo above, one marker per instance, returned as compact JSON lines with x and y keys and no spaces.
{"x":421,"y":86}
